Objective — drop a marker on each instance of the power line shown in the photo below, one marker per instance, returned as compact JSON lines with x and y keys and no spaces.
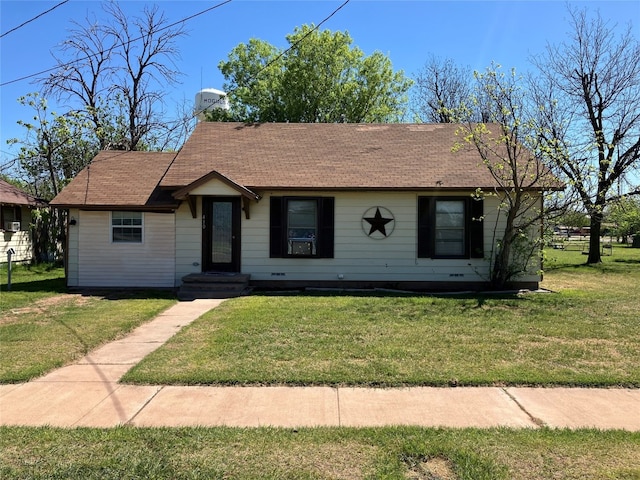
{"x":34,"y":18}
{"x":26,"y":77}
{"x":295,"y":44}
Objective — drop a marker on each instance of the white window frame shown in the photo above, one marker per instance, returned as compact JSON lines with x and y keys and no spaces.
{"x":134,"y":216}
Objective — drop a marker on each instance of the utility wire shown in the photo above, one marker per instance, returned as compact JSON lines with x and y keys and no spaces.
{"x":26,"y":77}
{"x":295,"y":44}
{"x":34,"y":18}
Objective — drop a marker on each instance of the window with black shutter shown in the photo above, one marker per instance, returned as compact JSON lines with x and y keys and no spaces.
{"x":301,"y":227}
{"x":450,"y":227}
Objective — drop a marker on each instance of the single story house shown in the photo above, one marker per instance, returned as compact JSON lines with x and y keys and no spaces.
{"x":15,"y":220}
{"x":290,"y":205}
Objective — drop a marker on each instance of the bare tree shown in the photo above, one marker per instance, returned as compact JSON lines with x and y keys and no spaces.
{"x":83,"y":71}
{"x":441,"y":87}
{"x":147,"y":50}
{"x":508,"y":147}
{"x":116,"y":74}
{"x":588,"y":93}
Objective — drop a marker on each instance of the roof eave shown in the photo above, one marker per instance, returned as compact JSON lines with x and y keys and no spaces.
{"x":118,"y":207}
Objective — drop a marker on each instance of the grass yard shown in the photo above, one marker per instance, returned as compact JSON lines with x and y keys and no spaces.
{"x":387,"y":453}
{"x":585,"y":333}
{"x":42,"y":328}
{"x":29,"y":284}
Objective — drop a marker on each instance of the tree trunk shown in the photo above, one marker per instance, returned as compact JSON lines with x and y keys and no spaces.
{"x":501,"y":273}
{"x":594,"y":240}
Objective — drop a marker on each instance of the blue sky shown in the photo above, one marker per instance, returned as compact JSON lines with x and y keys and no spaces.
{"x":472,"y":33}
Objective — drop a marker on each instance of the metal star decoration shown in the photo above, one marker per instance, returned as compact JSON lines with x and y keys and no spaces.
{"x":378,"y":223}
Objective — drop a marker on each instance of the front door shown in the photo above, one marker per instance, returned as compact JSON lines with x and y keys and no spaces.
{"x":221,"y":234}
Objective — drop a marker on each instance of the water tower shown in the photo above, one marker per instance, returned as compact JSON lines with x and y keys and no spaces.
{"x":209,"y":98}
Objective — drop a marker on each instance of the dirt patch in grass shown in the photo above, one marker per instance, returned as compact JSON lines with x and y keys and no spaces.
{"x":44,"y":306}
{"x":436,"y":468}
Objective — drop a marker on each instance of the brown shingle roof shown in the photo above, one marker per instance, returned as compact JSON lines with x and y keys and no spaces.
{"x":285,"y":156}
{"x":329,"y":155}
{"x":11,"y":195}
{"x":119,"y":179}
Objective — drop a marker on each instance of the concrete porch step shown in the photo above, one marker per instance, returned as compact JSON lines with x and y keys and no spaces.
{"x":214,"y":285}
{"x":216,"y":277}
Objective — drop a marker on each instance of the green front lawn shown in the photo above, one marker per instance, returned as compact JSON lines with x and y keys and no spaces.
{"x":586,"y":333}
{"x":29,"y":284}
{"x":42,"y":328}
{"x":321,"y":453}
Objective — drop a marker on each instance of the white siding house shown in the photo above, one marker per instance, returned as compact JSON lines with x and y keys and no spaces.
{"x":104,"y":262}
{"x":291,"y":206}
{"x":15,"y":222}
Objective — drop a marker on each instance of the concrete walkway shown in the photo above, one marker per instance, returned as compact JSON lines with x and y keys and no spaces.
{"x":88,"y":394}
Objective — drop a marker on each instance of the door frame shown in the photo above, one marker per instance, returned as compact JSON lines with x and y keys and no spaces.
{"x":208,"y":265}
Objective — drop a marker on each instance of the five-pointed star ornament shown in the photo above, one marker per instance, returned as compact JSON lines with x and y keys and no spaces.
{"x":377,"y":223}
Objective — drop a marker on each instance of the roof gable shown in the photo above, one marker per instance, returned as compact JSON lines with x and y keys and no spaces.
{"x":245,"y":192}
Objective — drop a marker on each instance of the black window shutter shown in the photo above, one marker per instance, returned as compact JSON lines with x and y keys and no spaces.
{"x":19,"y":216}
{"x":476,"y":228}
{"x":425,"y":246}
{"x":326,"y":207}
{"x":276,"y":228}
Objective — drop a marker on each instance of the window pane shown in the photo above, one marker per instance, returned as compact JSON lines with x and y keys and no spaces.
{"x":449,"y":228}
{"x":8,"y":213}
{"x":222,"y":235}
{"x":302,"y":227}
{"x":126,"y":227}
{"x":127,"y":234}
{"x":449,"y":213}
{"x":449,"y":242}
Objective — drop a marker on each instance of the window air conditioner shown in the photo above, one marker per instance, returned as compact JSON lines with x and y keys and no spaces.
{"x":12,"y":226}
{"x":301,"y":247}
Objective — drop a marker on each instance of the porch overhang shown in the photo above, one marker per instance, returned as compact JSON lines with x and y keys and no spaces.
{"x":185,"y":192}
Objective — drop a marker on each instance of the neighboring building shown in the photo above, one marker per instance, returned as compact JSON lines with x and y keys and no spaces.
{"x":386,"y":205}
{"x":15,"y":221}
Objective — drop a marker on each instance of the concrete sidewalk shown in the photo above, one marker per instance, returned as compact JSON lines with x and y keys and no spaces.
{"x":88,"y":394}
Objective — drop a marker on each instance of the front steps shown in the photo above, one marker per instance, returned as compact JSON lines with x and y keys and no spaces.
{"x":214,"y":285}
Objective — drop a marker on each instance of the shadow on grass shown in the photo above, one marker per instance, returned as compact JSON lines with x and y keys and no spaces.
{"x":52,"y":285}
{"x":129,"y":294}
{"x":58,"y":286}
{"x":480,"y":296}
{"x":630,"y":261}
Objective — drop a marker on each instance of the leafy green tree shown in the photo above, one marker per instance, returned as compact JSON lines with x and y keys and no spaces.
{"x":588,"y":97}
{"x":573,"y":218}
{"x":319,"y":78}
{"x":55,"y":147}
{"x":624,"y":213}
